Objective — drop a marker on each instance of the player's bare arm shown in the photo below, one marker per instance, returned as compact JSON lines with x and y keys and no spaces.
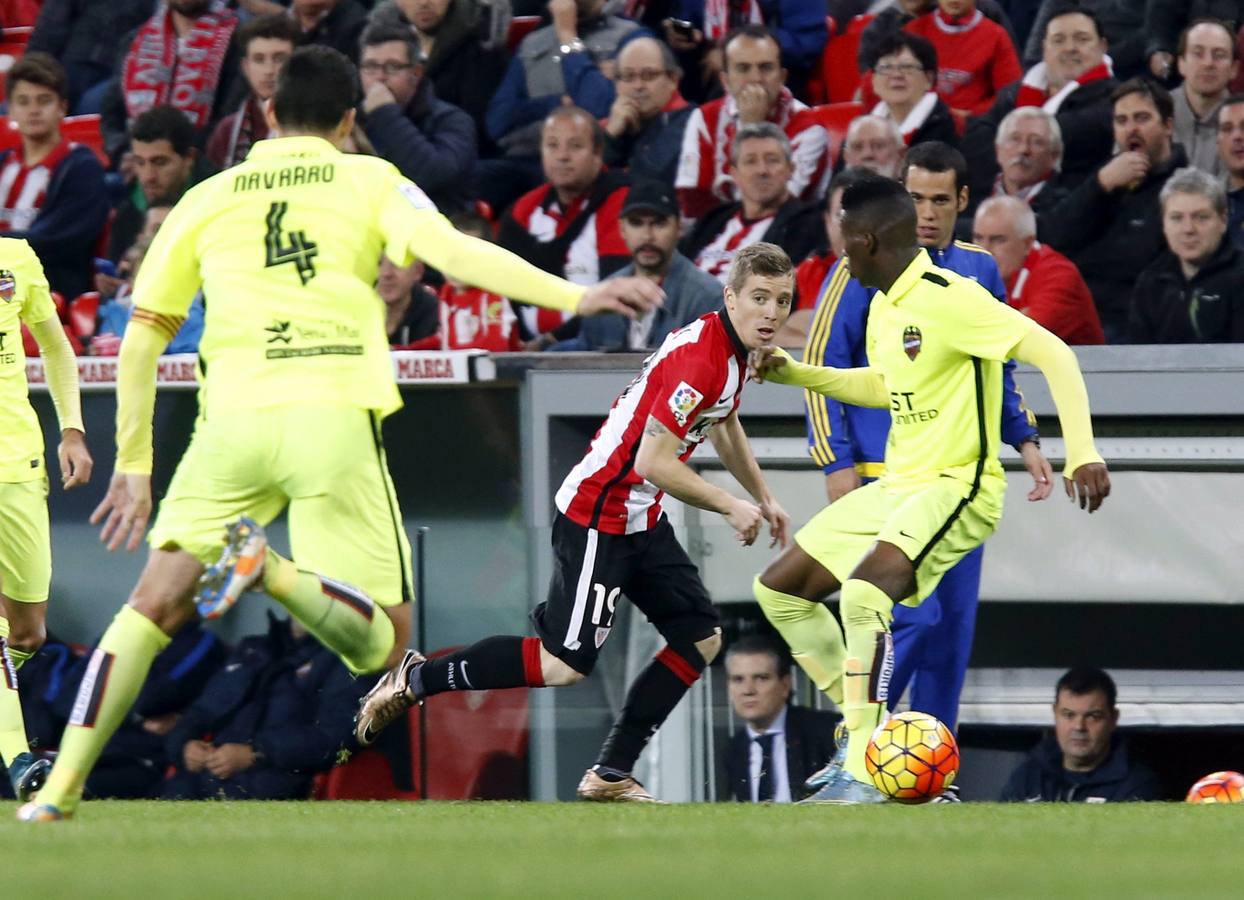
{"x":730,"y":441}
{"x":657,"y":462}
{"x":1086,"y":479}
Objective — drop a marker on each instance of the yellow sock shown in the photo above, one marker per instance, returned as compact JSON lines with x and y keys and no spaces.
{"x":811,"y":632}
{"x":12,"y":726}
{"x":866,"y":616}
{"x":113,"y":679}
{"x":344,"y":619}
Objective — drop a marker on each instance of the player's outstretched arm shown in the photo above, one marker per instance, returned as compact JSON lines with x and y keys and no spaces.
{"x":1085,"y":476}
{"x":490,"y":267}
{"x":860,"y":387}
{"x":126,"y":507}
{"x":60,"y":365}
{"x":730,"y":441}
{"x":657,"y":462}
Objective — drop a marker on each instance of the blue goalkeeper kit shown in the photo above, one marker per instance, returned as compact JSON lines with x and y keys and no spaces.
{"x":932,"y":642}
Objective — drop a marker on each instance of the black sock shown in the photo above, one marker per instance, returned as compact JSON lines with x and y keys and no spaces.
{"x":495,"y":662}
{"x":649,"y":702}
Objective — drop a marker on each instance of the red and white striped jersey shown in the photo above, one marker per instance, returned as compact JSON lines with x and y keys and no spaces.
{"x":717,"y":255}
{"x":693,"y":381}
{"x":23,"y":187}
{"x":703,"y":180}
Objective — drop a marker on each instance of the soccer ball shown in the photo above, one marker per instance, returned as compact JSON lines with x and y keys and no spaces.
{"x":1218,"y":787}
{"x":912,"y":757}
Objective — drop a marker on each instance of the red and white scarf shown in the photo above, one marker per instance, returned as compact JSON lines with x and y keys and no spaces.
{"x":915,"y":119}
{"x":718,"y":21}
{"x":1034,"y":90}
{"x":164,"y":69}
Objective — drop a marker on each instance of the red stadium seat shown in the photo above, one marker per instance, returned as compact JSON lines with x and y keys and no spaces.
{"x":85,"y":130}
{"x":82,"y":315}
{"x":836,"y":118}
{"x":840,"y":71}
{"x":17,"y":34}
{"x":10,"y":52}
{"x":10,"y":138}
{"x":520,"y":27}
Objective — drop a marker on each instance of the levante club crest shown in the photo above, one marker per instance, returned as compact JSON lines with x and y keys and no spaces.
{"x":8,"y":284}
{"x":912,"y":339}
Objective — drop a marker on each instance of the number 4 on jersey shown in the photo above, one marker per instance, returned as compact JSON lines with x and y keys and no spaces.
{"x":294,"y":247}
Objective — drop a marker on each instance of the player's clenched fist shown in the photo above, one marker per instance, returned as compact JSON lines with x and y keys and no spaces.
{"x":745,"y":518}
{"x":1090,"y":485}
{"x":762,"y":361}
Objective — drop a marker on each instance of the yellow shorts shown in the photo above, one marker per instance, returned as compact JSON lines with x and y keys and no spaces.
{"x":935,"y":526}
{"x":25,"y":543}
{"x":327,"y":464}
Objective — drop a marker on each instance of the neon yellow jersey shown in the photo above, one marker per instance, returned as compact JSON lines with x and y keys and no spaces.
{"x":286,"y":246}
{"x":940,"y":340}
{"x":24,"y":297}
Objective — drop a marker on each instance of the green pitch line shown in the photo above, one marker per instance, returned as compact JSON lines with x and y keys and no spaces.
{"x":148,"y":850}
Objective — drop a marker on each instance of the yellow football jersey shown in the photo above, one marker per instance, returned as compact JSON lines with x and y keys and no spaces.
{"x":285,"y":247}
{"x":940,"y":341}
{"x":24,"y":297}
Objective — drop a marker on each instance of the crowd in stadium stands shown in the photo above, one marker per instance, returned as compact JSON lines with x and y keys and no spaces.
{"x":1112,"y":126}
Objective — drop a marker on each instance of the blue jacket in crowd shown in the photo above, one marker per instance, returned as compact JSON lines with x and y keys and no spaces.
{"x":1042,"y":778}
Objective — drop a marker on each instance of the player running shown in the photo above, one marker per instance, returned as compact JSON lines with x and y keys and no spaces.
{"x":295,"y":378}
{"x":25,"y":545}
{"x":611,"y":536}
{"x":936,"y":343}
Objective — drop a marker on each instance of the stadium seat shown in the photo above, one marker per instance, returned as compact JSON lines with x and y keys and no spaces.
{"x":10,"y":139}
{"x":839,"y":70}
{"x":85,"y":130}
{"x":836,"y":118}
{"x":83,"y":312}
{"x":520,"y":27}
{"x":10,"y":52}
{"x":17,"y":34}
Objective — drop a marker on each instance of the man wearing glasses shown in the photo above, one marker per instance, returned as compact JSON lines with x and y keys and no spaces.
{"x":430,"y":141}
{"x":644,"y":130}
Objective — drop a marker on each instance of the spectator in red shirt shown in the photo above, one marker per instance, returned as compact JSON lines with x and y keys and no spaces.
{"x":472,"y":318}
{"x":1040,"y":282}
{"x":756,"y":92}
{"x":977,"y":56}
{"x":569,"y":225}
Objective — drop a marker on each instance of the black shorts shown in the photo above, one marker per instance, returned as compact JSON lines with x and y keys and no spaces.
{"x":593,"y":569}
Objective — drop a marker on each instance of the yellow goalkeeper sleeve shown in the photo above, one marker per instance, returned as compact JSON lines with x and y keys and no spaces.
{"x":859,"y":387}
{"x":60,"y":365}
{"x":136,"y":393}
{"x":1058,"y":364}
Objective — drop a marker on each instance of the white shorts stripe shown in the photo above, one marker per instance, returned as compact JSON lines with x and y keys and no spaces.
{"x":584,"y":587}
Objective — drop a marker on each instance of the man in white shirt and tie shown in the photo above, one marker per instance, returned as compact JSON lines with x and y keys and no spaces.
{"x":778,"y":745}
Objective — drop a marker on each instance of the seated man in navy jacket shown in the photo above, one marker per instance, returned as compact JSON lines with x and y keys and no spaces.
{"x":52,"y":191}
{"x":779,"y":744}
{"x":280,"y":710}
{"x":1084,"y":761}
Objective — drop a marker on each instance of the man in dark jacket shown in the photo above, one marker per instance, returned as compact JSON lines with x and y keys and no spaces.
{"x":643,"y":132}
{"x":1073,"y":82}
{"x":463,"y":63}
{"x":1165,"y":20}
{"x":1114,"y":218}
{"x":430,"y":141}
{"x":1084,"y":761}
{"x":761,"y":166}
{"x":1122,"y":25}
{"x":1191,"y":293}
{"x":331,"y":23}
{"x":86,"y":36}
{"x":52,"y":192}
{"x":280,"y":710}
{"x":778,"y":745}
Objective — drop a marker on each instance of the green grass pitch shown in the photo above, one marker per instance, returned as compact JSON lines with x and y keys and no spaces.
{"x":150,"y":850}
